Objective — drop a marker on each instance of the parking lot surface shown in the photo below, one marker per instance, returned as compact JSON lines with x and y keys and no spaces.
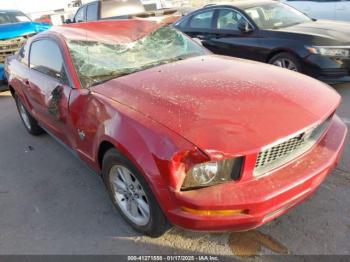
{"x":51,"y":203}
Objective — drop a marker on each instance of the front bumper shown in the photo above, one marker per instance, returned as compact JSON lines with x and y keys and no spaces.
{"x":331,"y":70}
{"x":266,"y":197}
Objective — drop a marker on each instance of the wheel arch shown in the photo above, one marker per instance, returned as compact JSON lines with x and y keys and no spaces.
{"x":144,"y":163}
{"x":104,"y":146}
{"x":277,"y":51}
{"x":12,"y":90}
{"x":155,"y":185}
{"x":108,"y":143}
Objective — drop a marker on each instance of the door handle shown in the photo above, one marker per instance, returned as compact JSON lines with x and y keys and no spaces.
{"x":26,"y":83}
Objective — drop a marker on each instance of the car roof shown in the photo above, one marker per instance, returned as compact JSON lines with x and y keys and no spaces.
{"x":121,"y":31}
{"x":242,"y":4}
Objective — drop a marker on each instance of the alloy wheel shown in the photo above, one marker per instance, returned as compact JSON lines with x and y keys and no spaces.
{"x":286,"y":63}
{"x":129,"y":195}
{"x":24,"y":115}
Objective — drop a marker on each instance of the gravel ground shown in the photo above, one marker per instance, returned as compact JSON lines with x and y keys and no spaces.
{"x":51,"y":203}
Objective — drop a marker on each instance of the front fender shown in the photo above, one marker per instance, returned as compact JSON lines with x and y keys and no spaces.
{"x":151,"y":147}
{"x":148,"y":144}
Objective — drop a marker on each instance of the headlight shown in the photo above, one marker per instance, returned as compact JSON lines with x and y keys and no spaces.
{"x":212,"y":173}
{"x":330,"y":51}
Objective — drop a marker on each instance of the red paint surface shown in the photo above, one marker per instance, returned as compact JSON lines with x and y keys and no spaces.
{"x":168,"y":118}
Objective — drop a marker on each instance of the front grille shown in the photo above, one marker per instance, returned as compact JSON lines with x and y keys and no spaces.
{"x":10,"y":46}
{"x":282,"y":152}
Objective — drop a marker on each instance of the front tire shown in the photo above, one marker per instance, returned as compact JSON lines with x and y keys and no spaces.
{"x":29,"y":122}
{"x":132,"y":196}
{"x":287,"y":61}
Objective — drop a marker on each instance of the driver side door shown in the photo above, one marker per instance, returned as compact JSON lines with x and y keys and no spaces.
{"x":48,"y":87}
{"x":229,"y":39}
{"x":200,"y":27}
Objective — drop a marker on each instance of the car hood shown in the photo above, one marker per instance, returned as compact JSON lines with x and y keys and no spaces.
{"x":225,"y":105}
{"x":8,"y":31}
{"x":337,"y":31}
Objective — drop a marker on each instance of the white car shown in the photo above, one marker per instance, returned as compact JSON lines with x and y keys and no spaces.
{"x":323,"y":9}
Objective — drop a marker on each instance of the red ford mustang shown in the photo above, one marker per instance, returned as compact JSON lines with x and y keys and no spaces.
{"x":180,"y":136}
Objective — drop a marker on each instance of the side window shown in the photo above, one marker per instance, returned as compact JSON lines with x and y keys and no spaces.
{"x":40,"y":51}
{"x":80,"y":15}
{"x":202,"y":20}
{"x":23,"y":54}
{"x":229,"y":19}
{"x":92,"y":12}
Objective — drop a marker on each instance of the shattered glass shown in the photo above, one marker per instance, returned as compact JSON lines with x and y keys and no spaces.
{"x":97,"y":62}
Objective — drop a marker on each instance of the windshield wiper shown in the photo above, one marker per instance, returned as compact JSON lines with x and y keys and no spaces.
{"x":111,"y":76}
{"x":96,"y":83}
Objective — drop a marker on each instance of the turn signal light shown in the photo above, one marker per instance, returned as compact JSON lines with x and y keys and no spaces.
{"x":199,"y":212}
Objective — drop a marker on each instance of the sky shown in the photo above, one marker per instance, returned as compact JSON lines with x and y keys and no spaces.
{"x":30,"y":6}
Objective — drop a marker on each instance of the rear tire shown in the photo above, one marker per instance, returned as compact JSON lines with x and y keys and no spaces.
{"x":29,"y":122}
{"x":132,"y":196}
{"x":287,"y":61}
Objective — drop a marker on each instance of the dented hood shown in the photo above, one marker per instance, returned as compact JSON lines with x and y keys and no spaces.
{"x":224,"y":104}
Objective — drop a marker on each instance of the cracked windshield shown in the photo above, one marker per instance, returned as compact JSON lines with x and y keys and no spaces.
{"x":97,"y":62}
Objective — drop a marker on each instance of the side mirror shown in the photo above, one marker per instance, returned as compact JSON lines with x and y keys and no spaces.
{"x":68,"y":21}
{"x":245,"y":27}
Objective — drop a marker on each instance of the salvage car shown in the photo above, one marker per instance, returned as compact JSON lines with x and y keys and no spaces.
{"x":274,"y":33}
{"x":15,"y":29}
{"x":181,"y":136}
